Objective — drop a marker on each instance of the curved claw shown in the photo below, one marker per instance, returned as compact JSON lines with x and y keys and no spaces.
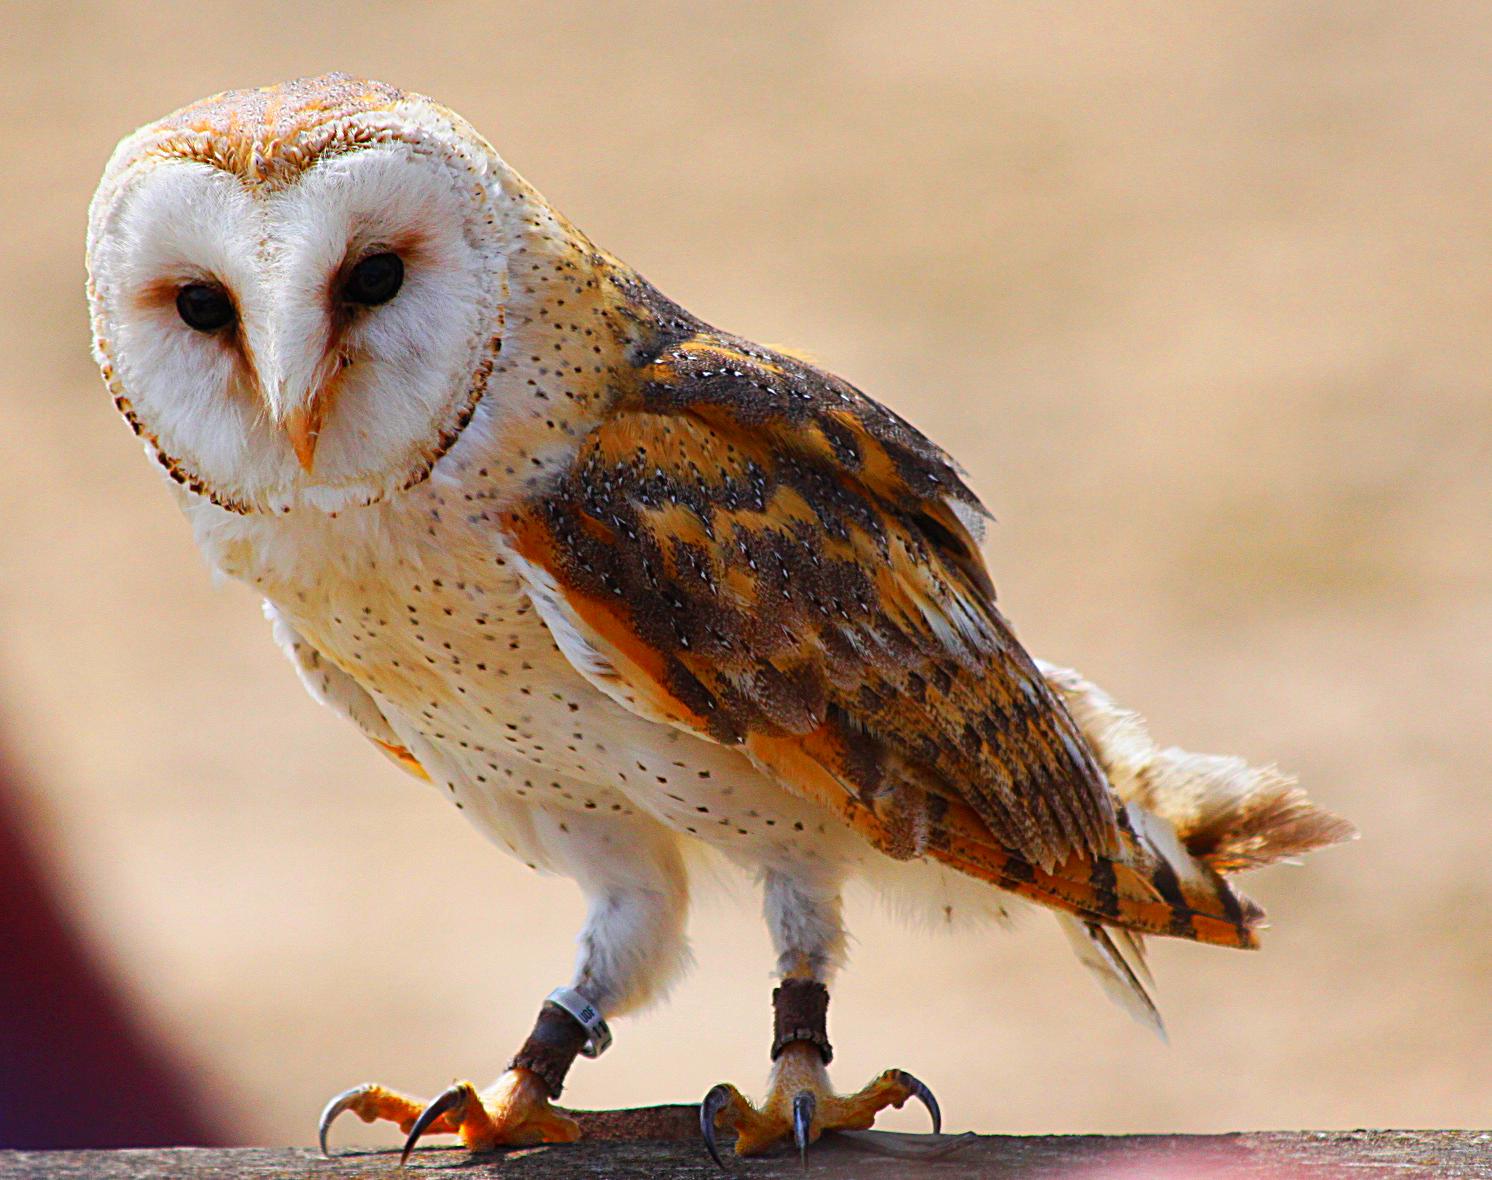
{"x":715,"y":1101}
{"x":342,"y":1102}
{"x":804,"y":1104}
{"x":925,"y":1096}
{"x":447,"y":1100}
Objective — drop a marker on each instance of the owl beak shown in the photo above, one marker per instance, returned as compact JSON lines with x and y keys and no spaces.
{"x":303,"y":426}
{"x":300,"y":404}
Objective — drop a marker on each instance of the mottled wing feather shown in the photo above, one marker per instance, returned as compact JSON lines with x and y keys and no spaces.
{"x":758,"y":552}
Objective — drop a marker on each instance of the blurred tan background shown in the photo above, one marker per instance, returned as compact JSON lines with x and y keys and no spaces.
{"x":1200,"y":295}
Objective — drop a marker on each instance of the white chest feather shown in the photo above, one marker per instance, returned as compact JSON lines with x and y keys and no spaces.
{"x":422,"y":605}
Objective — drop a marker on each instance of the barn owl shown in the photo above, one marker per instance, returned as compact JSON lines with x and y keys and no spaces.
{"x":617,"y":583}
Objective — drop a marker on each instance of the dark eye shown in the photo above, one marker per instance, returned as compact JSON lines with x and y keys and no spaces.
{"x":374,"y":280}
{"x":205,"y":307}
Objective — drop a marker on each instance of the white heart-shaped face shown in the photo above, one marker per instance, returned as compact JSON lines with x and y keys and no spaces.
{"x":311,"y":394}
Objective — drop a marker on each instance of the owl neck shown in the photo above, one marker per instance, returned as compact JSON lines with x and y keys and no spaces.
{"x":579,"y":327}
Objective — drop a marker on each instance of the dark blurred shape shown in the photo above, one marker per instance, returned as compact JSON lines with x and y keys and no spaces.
{"x":76,"y":1070}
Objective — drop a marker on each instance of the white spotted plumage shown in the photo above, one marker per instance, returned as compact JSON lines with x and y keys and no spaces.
{"x":360,"y":465}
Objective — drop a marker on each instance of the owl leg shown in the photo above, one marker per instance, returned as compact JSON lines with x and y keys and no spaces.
{"x":804,"y":916}
{"x":630,"y":949}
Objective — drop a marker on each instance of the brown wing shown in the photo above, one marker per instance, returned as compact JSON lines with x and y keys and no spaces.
{"x":766,"y":556}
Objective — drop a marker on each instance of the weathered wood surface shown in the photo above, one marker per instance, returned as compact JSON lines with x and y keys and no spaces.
{"x":614,"y":1151}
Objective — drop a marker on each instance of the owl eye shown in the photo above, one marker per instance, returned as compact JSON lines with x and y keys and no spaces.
{"x":205,"y":307}
{"x":374,"y":280}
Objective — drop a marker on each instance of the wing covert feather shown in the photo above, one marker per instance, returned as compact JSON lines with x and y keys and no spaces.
{"x":755,"y":551}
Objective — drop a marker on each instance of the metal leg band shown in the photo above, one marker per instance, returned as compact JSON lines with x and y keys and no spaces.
{"x":597,"y":1034}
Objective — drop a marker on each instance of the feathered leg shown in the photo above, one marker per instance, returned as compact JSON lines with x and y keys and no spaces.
{"x":803,"y":913}
{"x":630,"y":949}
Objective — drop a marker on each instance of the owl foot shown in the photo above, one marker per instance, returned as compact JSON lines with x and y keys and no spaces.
{"x":515,"y":1112}
{"x":800,"y":1103}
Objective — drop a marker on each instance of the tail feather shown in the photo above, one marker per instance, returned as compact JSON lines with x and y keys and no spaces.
{"x":1228,"y":814}
{"x":1189,"y":819}
{"x":1124,"y":980}
{"x":1132,"y":946}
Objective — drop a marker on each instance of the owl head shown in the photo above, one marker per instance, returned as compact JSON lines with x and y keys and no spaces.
{"x":297,"y":291}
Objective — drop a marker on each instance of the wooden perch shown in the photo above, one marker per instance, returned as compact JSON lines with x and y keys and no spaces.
{"x":662,"y":1143}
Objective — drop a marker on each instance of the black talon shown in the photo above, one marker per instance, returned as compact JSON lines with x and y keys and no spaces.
{"x":446,"y":1100}
{"x":924,"y":1096}
{"x":804,"y":1104}
{"x":715,"y":1101}
{"x":335,"y":1107}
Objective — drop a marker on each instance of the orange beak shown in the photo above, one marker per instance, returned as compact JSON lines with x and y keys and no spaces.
{"x":303,"y":424}
{"x":303,"y":428}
